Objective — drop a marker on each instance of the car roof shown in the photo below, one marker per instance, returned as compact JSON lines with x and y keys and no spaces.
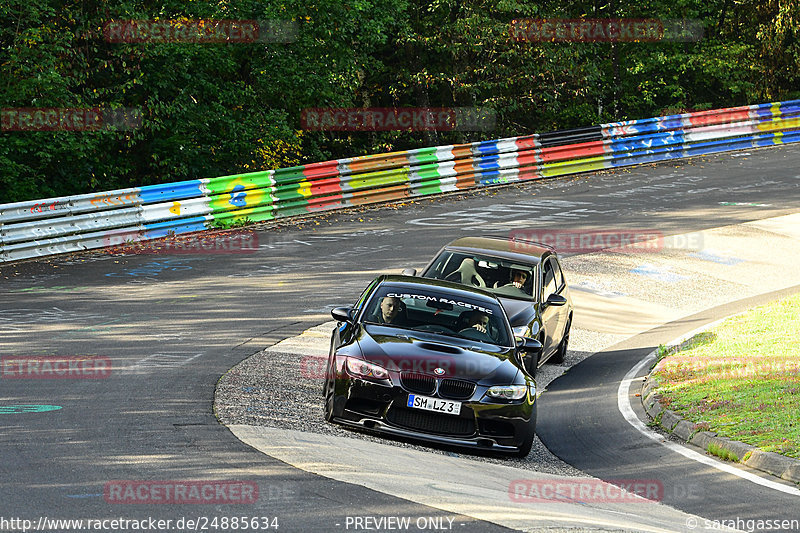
{"x":503,"y":247}
{"x":456,"y":289}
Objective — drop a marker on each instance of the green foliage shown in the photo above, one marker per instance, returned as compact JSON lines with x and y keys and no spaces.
{"x":225,"y":224}
{"x":211,"y":109}
{"x":722,"y":453}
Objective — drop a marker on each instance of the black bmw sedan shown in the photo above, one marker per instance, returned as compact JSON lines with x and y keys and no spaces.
{"x":435,"y":361}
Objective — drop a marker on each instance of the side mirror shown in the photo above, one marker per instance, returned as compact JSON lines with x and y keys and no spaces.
{"x":529,"y":351}
{"x":529,"y":345}
{"x":555,"y":300}
{"x":409,"y":272}
{"x":342,"y":314}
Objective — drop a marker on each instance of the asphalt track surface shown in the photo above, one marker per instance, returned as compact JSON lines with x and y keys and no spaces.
{"x":173,"y":324}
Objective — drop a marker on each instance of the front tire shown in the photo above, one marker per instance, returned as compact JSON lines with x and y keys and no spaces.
{"x":329,"y":391}
{"x":525,"y":448}
{"x":527,"y":444}
{"x":561,"y":352}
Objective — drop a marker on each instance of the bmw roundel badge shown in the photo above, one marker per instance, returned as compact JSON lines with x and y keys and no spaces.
{"x":439,"y":371}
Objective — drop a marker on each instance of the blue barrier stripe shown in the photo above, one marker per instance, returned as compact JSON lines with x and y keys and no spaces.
{"x":488,"y":163}
{"x":648,"y":156}
{"x":485,"y":147}
{"x":712,"y":148}
{"x":170,"y":191}
{"x":626,"y":144}
{"x":778,"y":138}
{"x":672,"y":122}
{"x":763,"y":113}
{"x":486,"y":176}
{"x":790,"y":108}
{"x":185,"y":225}
{"x":733,"y":143}
{"x":652,"y":157}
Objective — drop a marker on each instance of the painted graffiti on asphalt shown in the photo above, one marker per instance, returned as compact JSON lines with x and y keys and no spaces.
{"x":17,"y":320}
{"x":310,"y":240}
{"x":503,"y":216}
{"x":153,"y":268}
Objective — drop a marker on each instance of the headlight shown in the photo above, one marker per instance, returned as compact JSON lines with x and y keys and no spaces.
{"x":520,"y":331}
{"x":362,"y":369}
{"x":507,"y":392}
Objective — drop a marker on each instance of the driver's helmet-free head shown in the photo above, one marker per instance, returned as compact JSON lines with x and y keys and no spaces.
{"x":515,"y":271}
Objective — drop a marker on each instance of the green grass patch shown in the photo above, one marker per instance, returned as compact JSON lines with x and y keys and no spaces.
{"x":722,"y":453}
{"x":230,"y":224}
{"x":741,"y":379}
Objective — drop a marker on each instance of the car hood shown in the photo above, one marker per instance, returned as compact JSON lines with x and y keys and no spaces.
{"x":401,"y":349}
{"x":520,"y":312}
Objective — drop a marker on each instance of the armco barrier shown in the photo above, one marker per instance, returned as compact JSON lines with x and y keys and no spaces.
{"x":72,"y":223}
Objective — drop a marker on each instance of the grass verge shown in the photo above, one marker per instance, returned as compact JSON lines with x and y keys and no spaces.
{"x":741,"y":379}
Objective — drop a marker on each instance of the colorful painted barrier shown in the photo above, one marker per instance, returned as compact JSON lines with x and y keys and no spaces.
{"x":73,"y":223}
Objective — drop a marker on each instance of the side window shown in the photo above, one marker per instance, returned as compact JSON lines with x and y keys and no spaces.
{"x":558,"y":274}
{"x":443,"y":266}
{"x":549,"y":279}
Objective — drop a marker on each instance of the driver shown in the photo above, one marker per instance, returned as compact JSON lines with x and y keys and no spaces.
{"x":478,"y":320}
{"x":390,"y":310}
{"x":518,"y":279}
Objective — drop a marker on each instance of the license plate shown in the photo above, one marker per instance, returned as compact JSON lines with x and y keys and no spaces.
{"x":434,"y":404}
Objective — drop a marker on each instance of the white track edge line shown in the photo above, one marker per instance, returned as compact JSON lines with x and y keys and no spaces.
{"x":624,"y":406}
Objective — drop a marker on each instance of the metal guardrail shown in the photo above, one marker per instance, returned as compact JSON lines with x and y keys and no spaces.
{"x":72,"y":223}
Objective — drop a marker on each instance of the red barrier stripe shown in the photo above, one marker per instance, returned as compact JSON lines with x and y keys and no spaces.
{"x":570,"y":151}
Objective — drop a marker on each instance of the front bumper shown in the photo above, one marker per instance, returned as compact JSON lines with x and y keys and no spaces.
{"x":482,"y":424}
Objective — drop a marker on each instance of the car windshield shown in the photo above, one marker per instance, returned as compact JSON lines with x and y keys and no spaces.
{"x":423,"y":309}
{"x":500,"y":276}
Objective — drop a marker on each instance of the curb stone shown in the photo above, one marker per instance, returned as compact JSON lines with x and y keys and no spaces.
{"x":669,"y":420}
{"x":786,"y":468}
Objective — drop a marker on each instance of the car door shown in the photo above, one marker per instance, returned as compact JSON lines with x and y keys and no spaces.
{"x":563,"y":310}
{"x":550,"y":313}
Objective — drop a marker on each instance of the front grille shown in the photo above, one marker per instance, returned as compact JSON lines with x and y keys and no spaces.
{"x":456,"y":389}
{"x":430,"y":422}
{"x":419,"y":383}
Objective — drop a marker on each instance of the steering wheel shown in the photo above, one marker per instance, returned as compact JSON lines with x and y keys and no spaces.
{"x":476,"y":334}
